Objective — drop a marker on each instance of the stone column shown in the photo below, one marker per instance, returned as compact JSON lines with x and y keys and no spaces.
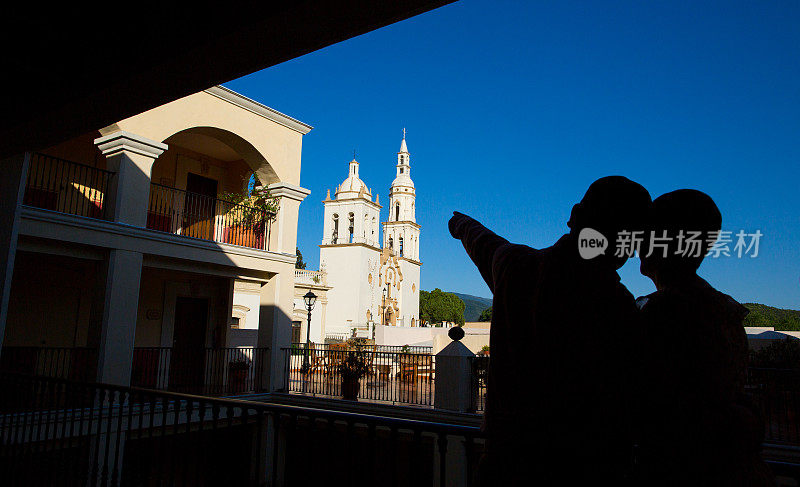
{"x":117,"y":331}
{"x":275,"y":325}
{"x":453,"y":374}
{"x":13,"y":176}
{"x":283,"y":235}
{"x":131,"y":158}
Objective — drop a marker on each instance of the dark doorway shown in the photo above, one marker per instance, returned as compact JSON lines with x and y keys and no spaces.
{"x":199,"y":206}
{"x":188,"y":345}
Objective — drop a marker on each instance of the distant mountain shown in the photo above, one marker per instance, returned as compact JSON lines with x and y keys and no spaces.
{"x":760,"y":314}
{"x":473,"y":305}
{"x":763,"y":315}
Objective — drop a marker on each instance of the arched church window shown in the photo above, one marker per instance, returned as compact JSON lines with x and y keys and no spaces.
{"x":351,"y":227}
{"x":397,"y":212}
{"x":401,"y":246}
{"x":401,"y":170}
{"x":335,"y":234}
{"x":391,"y":243}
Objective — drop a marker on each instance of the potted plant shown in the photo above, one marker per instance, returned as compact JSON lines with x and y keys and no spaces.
{"x":247,"y":215}
{"x":237,"y":374}
{"x":484,"y":351}
{"x":352,"y":369}
{"x":409,"y":364}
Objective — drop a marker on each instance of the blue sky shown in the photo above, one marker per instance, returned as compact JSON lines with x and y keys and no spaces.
{"x":514,"y":108}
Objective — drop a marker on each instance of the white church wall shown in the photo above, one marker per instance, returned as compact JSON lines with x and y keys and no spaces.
{"x":409,"y":293}
{"x":352,"y":295}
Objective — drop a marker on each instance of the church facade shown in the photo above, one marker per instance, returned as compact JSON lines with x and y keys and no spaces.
{"x":374,"y":280}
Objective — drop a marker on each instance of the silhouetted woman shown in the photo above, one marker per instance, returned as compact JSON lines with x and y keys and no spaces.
{"x":696,"y":425}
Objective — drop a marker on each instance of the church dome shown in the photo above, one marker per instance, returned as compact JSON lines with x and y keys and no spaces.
{"x":353,"y":186}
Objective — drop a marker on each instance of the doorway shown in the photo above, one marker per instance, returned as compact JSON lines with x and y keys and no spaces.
{"x":186,"y":370}
{"x":199,"y":206}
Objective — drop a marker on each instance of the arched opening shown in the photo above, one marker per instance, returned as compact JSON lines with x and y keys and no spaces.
{"x":401,"y":246}
{"x":351,"y":226}
{"x":397,"y":212}
{"x":335,"y":228}
{"x":203,"y":187}
{"x":391,"y":243}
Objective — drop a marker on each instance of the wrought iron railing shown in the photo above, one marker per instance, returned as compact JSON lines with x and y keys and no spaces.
{"x":194,"y":215}
{"x":392,"y":377}
{"x":371,"y":348}
{"x":76,"y":363}
{"x":66,"y":186}
{"x":479,"y":372}
{"x":57,"y":432}
{"x":776,"y":393}
{"x":206,"y":371}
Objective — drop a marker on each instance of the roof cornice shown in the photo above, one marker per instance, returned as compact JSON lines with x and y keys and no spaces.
{"x":253,"y":106}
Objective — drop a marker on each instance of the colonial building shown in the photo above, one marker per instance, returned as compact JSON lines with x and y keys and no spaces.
{"x":373,"y":281}
{"x":129,"y":249}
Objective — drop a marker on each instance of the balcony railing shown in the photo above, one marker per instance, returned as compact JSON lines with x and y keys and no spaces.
{"x":303,"y":276}
{"x":66,"y":186}
{"x":57,"y":432}
{"x":75,"y":363}
{"x":392,"y":377}
{"x":479,"y":371}
{"x":194,"y":215}
{"x":206,"y":371}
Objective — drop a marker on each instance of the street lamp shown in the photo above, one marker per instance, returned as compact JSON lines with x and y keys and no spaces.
{"x":310,"y":299}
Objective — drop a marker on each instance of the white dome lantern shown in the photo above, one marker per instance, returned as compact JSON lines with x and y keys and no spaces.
{"x":353,"y":186}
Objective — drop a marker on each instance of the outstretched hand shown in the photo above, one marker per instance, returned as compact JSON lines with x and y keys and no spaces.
{"x":456,"y":224}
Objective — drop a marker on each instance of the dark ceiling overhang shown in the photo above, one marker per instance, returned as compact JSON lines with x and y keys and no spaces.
{"x":69,"y":69}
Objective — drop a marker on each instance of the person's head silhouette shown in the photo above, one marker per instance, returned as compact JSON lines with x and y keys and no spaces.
{"x":681,"y":228}
{"x":611,"y":205}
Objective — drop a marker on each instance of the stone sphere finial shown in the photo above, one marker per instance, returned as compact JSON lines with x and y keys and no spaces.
{"x":456,"y":333}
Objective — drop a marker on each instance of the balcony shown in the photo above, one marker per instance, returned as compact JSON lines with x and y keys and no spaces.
{"x":194,"y":215}
{"x":206,"y":371}
{"x":58,"y":432}
{"x":78,"y":189}
{"x":310,"y":278}
{"x":65,"y":186}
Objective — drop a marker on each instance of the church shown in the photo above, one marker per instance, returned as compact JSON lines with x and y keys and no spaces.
{"x":372,"y":281}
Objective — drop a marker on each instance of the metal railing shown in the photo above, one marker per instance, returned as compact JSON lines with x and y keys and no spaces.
{"x":371,"y":348}
{"x":776,"y":393}
{"x":57,"y":432}
{"x":479,"y":372}
{"x":66,"y":186}
{"x":76,"y":363}
{"x":392,"y":377}
{"x":194,"y":215}
{"x":206,"y":371}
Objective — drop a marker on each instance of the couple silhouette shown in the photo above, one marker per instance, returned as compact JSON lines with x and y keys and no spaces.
{"x":589,"y":386}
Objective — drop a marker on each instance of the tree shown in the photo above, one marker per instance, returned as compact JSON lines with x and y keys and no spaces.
{"x":486,"y":315}
{"x":438,"y":306}
{"x":299,"y":264}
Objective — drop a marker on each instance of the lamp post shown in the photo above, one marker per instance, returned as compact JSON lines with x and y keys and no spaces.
{"x":310,"y":299}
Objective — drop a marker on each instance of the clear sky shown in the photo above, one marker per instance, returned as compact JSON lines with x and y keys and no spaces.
{"x":514,"y":108}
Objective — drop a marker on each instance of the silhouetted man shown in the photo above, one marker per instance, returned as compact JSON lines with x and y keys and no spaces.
{"x":556,"y":410}
{"x":696,"y":426}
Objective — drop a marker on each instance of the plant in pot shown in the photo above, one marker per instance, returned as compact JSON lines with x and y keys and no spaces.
{"x":352,"y":369}
{"x":484,"y":351}
{"x":247,"y":214}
